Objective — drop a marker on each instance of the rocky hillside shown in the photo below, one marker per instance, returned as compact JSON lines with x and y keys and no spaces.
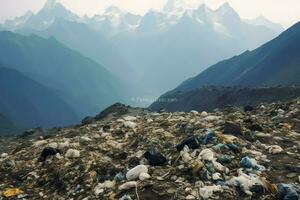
{"x":274,"y":63}
{"x":211,"y":97}
{"x":127,"y":153}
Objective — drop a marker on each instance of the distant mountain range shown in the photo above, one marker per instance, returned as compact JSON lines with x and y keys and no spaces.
{"x":28,"y":103}
{"x":89,"y":42}
{"x":143,"y":49}
{"x":185,"y":42}
{"x":274,"y":63}
{"x":262,"y":21}
{"x":43,"y":19}
{"x":84,"y":86}
{"x":63,"y":67}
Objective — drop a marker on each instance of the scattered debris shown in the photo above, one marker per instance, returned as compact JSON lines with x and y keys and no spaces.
{"x":72,"y":153}
{"x":135,"y":172}
{"x":155,"y":158}
{"x":232,"y":128}
{"x":48,"y":151}
{"x":12,"y":192}
{"x":132,"y":154}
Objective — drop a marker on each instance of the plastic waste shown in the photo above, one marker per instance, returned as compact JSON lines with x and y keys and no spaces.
{"x":204,"y":114}
{"x":9,"y":164}
{"x":12,"y":192}
{"x":120,"y":176}
{"x":128,"y":185}
{"x":144,"y":176}
{"x":129,"y":124}
{"x":3,"y":155}
{"x":216,"y":176}
{"x":210,"y":167}
{"x":207,"y":191}
{"x":206,"y":154}
{"x":192,"y":142}
{"x":224,"y":159}
{"x":233,"y":148}
{"x":218,"y":166}
{"x":247,"y":162}
{"x":226,"y":138}
{"x":275,"y":149}
{"x":125,"y":197}
{"x":72,"y":153}
{"x":47,"y":152}
{"x":209,"y":137}
{"x":288,"y":192}
{"x":219,"y":147}
{"x":135,"y":172}
{"x":245,"y":182}
{"x":221,"y":183}
{"x":197,"y":167}
{"x":106,"y":184}
{"x":232,"y":128}
{"x":155,"y":158}
{"x":185,"y":156}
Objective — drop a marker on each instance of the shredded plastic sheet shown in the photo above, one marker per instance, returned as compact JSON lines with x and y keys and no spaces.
{"x":12,"y":192}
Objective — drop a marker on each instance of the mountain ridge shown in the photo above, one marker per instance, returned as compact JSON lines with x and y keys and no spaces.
{"x":183,"y":40}
{"x":251,"y":60}
{"x":274,"y":64}
{"x":29,"y":104}
{"x":209,"y":98}
{"x":84,"y":84}
{"x":88,"y":42}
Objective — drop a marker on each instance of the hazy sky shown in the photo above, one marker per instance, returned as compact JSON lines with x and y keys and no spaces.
{"x":286,"y":12}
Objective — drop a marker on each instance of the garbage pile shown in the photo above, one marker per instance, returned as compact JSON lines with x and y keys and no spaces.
{"x":236,"y":153}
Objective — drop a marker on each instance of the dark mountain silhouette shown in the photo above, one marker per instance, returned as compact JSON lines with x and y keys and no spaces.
{"x":27,"y":103}
{"x":273,"y":64}
{"x":83,"y":84}
{"x":208,"y":98}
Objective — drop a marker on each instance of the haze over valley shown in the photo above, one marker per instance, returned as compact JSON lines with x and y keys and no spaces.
{"x":86,"y":63}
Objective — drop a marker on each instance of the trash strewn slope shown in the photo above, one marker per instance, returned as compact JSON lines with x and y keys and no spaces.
{"x":128,"y":153}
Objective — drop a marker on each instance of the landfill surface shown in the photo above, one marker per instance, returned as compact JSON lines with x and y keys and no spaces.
{"x":130,"y":153}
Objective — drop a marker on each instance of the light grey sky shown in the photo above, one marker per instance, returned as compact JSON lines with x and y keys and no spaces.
{"x":286,"y":12}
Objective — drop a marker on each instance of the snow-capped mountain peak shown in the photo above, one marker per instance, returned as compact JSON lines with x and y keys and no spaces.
{"x":204,"y":12}
{"x":18,"y":21}
{"x":111,"y":17}
{"x":43,"y":19}
{"x":114,"y":20}
{"x":50,"y":4}
{"x":227,"y":16}
{"x":263,"y":21}
{"x":53,"y":8}
{"x":226,"y":9}
{"x":225,"y":5}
